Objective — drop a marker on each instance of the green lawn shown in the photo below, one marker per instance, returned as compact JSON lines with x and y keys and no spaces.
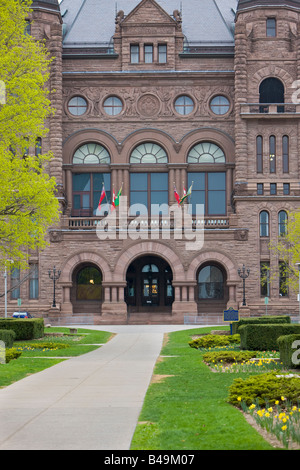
{"x":189,"y":410}
{"x":32,"y":361}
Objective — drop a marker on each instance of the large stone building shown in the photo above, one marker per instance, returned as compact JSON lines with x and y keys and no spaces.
{"x":156,"y":95}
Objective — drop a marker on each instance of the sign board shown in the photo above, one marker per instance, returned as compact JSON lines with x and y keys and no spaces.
{"x":19,"y":302}
{"x":266,"y":300}
{"x":231,"y":315}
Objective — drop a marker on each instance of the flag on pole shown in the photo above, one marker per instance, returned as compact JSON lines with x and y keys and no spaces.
{"x":186,"y":194}
{"x":177,"y":197}
{"x":116,"y":199}
{"x":103,"y":195}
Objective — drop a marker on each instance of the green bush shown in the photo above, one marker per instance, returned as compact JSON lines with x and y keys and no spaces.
{"x":8,"y":337}
{"x":264,"y":337}
{"x":25,"y":328}
{"x":265,"y":389}
{"x":228,"y":356}
{"x":286,"y":351}
{"x":45,"y":345}
{"x":211,"y":341}
{"x":261,"y":320}
{"x":11,"y":354}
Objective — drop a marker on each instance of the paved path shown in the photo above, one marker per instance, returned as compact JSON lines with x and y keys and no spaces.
{"x":91,"y":402}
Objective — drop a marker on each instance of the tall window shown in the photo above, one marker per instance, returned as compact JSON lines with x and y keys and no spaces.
{"x":209,"y":189}
{"x":134,"y":53}
{"x":283,"y":278}
{"x":265,"y":279}
{"x":147,"y":191}
{"x":15,"y":283}
{"x":87,"y":188}
{"x":271,"y":27}
{"x":259,"y":154}
{"x":272,"y":143}
{"x":282,"y":223}
{"x":162,"y":53}
{"x":34,"y":281}
{"x":148,"y":50}
{"x":210,"y":283}
{"x":271,"y":90}
{"x":264,"y":224}
{"x":285,"y":154}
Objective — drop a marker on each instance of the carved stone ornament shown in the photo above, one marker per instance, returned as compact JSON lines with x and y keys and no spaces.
{"x":148,"y":105}
{"x":241,"y":235}
{"x":56,"y":236}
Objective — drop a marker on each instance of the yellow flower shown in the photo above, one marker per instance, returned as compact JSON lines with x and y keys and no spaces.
{"x":284,"y":428}
{"x":276,"y":402}
{"x":267,"y":415}
{"x":251,"y":407}
{"x":270,"y":409}
{"x":239,"y":398}
{"x":283,"y":398}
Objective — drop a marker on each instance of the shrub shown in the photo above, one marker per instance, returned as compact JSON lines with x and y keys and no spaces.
{"x":46,"y":345}
{"x":285,"y":344}
{"x":260,"y":320}
{"x":11,"y":354}
{"x":265,"y":389}
{"x":228,"y":356}
{"x":8,"y":337}
{"x":210,"y":341}
{"x":25,"y":328}
{"x":264,"y":337}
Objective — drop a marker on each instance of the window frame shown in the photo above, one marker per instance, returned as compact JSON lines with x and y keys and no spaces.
{"x":148,"y":190}
{"x":135,"y":53}
{"x":34,"y":281}
{"x":264,"y":226}
{"x":92,"y":193}
{"x":161,"y":53}
{"x":207,"y":192}
{"x":285,"y":154}
{"x":271,"y":27}
{"x":148,"y":53}
{"x":259,"y":154}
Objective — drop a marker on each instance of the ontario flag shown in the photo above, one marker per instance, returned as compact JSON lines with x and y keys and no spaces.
{"x":176,"y":195}
{"x":102,"y":196}
{"x":116,"y":199}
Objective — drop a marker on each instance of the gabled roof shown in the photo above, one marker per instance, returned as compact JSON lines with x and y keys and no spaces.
{"x":90,"y":23}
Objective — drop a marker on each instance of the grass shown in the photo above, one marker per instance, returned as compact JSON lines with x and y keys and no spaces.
{"x":189,"y":408}
{"x":36,"y":360}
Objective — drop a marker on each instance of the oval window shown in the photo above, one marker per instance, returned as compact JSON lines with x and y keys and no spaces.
{"x":220,"y":105}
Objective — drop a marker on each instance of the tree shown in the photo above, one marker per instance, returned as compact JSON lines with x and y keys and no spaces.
{"x":28,"y":205}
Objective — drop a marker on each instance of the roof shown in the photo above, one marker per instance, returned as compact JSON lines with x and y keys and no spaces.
{"x":246,"y":4}
{"x":91,"y":23}
{"x":49,"y":4}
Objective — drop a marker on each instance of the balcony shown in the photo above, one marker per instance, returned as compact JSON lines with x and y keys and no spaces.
{"x":267,"y":110}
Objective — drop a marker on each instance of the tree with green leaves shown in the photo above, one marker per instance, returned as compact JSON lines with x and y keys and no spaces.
{"x":28,"y":205}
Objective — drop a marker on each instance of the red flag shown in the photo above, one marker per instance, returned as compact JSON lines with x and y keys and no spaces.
{"x":103,"y":194}
{"x":176,"y":195}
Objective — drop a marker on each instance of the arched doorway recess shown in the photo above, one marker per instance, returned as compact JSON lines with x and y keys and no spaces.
{"x":212,"y":293}
{"x":86,"y":291}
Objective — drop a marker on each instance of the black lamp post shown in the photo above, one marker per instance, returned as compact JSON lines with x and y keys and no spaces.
{"x":243,"y":275}
{"x":54,"y":275}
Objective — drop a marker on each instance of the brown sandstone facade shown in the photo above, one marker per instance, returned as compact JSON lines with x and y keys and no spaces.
{"x":148,"y":89}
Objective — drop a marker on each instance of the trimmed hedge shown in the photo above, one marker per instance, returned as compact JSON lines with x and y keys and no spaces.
{"x":287,"y":351}
{"x":25,"y":328}
{"x":8,"y":337}
{"x":261,"y":320}
{"x":211,"y":341}
{"x":264,"y":337}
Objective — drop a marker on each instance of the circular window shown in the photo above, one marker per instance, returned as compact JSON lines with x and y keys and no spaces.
{"x":113,"y":106}
{"x":77,"y":106}
{"x":184,"y":105}
{"x":148,"y":153}
{"x":91,"y":154}
{"x":219,"y":105}
{"x":206,"y":152}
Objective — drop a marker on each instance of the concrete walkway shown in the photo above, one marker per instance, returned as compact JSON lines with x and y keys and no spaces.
{"x":91,"y":402}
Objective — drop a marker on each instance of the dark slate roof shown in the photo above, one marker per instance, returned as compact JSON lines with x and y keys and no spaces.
{"x":50,"y":4}
{"x":91,"y":23}
{"x":246,"y":4}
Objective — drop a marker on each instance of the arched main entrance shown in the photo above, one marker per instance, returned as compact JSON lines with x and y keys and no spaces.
{"x":211,"y":291}
{"x":149,"y":285}
{"x":86,"y":291}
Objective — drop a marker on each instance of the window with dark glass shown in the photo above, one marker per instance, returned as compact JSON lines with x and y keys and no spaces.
{"x":15,"y":283}
{"x":33,"y":281}
{"x":271,"y":27}
{"x":286,"y":188}
{"x":162,"y":53}
{"x":273,"y":189}
{"x":265,"y":279}
{"x":271,"y":90}
{"x":260,"y":189}
{"x":264,"y":224}
{"x":282,"y":223}
{"x":38,"y":147}
{"x":134,"y":53}
{"x":89,"y":284}
{"x":283,"y":279}
{"x":87,"y":188}
{"x":147,"y":192}
{"x":259,"y":154}
{"x":209,"y":189}
{"x":148,"y":51}
{"x":272,"y":143}
{"x":285,"y":154}
{"x":210,"y":283}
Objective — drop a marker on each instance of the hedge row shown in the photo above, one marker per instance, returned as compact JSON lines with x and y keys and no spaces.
{"x":262,"y":337}
{"x":289,"y":347}
{"x":29,"y":328}
{"x":261,"y":320}
{"x":8,"y":337}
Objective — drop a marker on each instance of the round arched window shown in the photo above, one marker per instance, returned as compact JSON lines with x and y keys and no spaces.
{"x":219,"y":105}
{"x":77,"y":106}
{"x":113,"y":106}
{"x":148,"y":152}
{"x":206,"y":152}
{"x":210,"y":283}
{"x":91,"y":154}
{"x":184,"y":105}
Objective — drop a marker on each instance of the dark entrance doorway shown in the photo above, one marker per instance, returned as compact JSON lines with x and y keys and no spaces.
{"x":212,"y":291}
{"x":86,"y":291}
{"x":149,"y":285}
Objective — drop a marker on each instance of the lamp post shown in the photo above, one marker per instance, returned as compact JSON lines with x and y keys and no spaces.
{"x":54,"y":275}
{"x":298,"y":265}
{"x":243,"y":273}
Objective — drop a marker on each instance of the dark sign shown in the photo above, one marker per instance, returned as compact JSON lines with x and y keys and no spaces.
{"x":231,"y":315}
